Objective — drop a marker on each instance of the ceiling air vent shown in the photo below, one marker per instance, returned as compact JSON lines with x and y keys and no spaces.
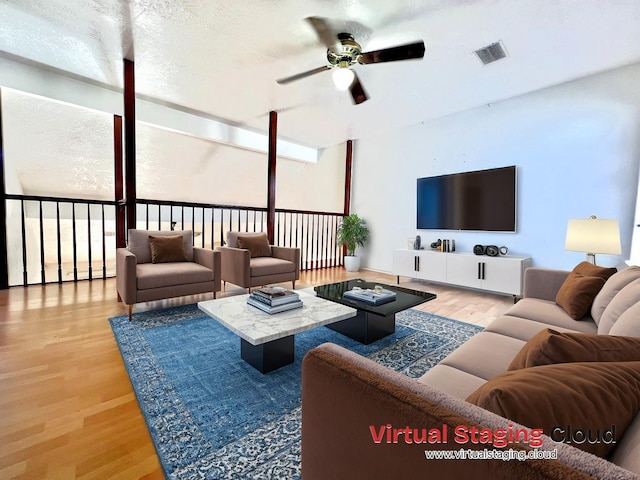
{"x":491,"y":53}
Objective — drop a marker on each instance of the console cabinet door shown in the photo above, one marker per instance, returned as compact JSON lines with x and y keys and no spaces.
{"x":464,"y":270}
{"x":503,"y":274}
{"x":420,"y":264}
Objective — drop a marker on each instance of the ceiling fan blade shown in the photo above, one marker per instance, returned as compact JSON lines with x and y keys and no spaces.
{"x":324,"y":32}
{"x":401,"y":52}
{"x":357,"y":91}
{"x":293,"y":78}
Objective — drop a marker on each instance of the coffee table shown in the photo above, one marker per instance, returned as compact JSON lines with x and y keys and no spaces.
{"x":372,"y":322}
{"x":267,"y":341}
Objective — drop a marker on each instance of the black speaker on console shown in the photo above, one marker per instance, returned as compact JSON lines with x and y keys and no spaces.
{"x":479,"y":249}
{"x":492,"y":251}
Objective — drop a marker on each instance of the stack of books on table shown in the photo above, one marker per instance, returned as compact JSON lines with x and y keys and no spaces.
{"x":274,"y":299}
{"x":371,"y":296}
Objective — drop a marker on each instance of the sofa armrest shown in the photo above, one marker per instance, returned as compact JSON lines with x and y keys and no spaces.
{"x":210,"y":259}
{"x":288,"y":253}
{"x":346,"y":403}
{"x":126,"y":281}
{"x":235,"y":265}
{"x":543,"y":283}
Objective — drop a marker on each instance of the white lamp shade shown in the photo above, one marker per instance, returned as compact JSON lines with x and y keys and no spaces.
{"x":342,"y":77}
{"x":593,"y":235}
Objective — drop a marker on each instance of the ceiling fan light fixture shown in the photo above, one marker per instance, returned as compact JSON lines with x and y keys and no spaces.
{"x":342,"y":77}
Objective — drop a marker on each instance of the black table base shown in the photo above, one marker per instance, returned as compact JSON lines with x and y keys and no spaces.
{"x":268,"y":356}
{"x":366,"y":327}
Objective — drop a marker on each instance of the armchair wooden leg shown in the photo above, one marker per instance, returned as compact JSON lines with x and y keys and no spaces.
{"x":130,"y":312}
{"x":294,"y":284}
{"x":119,"y":297}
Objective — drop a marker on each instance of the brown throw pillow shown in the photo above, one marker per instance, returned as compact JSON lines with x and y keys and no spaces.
{"x":591,"y":397}
{"x":577,"y":292}
{"x":167,"y":248}
{"x":549,"y":347}
{"x":258,"y":245}
{"x":590,"y":270}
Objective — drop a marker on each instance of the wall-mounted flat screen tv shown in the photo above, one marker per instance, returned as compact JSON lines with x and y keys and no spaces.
{"x":483,"y":200}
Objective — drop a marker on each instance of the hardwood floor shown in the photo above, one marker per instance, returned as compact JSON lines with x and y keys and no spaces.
{"x":68,"y":408}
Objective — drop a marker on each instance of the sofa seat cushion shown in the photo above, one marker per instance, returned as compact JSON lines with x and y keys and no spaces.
{"x":157,"y":275}
{"x":521,"y":328}
{"x":548,"y":312}
{"x":451,"y":380}
{"x":261,"y":266}
{"x":484,"y":355}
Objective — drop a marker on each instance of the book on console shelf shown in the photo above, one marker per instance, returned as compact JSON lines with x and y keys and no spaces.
{"x":371,"y":296}
{"x":273,"y":308}
{"x":275,"y":296}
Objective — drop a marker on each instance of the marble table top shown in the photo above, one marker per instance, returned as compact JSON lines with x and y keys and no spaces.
{"x":258,"y":327}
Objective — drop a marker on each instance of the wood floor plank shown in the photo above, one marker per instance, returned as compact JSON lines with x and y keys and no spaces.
{"x":68,"y":408}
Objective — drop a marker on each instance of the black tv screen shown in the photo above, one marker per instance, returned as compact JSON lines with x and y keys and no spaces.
{"x":483,"y":200}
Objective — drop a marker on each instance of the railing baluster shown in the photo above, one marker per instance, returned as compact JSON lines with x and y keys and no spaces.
{"x":89,"y":241}
{"x":41,"y":228}
{"x":146,"y":220}
{"x":59,"y":238}
{"x":75,"y":246}
{"x":104,"y":246}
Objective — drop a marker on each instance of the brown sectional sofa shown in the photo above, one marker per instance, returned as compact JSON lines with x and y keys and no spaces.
{"x":346,"y":397}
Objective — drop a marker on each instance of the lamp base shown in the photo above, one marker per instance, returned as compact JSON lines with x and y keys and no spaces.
{"x":591,"y":258}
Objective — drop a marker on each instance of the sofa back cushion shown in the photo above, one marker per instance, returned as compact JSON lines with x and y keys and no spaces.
{"x":628,"y":324}
{"x":619,"y":304}
{"x":138,"y":243}
{"x":613,"y":285}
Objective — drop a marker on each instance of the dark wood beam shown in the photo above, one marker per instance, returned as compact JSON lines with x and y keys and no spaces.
{"x":130,"y":142}
{"x":121,"y":208}
{"x":271,"y":175}
{"x":347,"y":177}
{"x":4,"y":257}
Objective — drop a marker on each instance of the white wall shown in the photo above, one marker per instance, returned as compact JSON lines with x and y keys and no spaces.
{"x":576,"y":146}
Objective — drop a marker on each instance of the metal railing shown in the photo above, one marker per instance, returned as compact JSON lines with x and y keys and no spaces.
{"x":55,"y":239}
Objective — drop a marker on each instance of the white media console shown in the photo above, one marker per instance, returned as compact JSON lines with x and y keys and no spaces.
{"x":503,"y":274}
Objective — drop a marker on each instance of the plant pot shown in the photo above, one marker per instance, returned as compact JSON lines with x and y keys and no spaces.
{"x":351,"y":263}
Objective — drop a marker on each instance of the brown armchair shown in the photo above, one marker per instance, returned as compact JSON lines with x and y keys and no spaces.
{"x":164,"y":267}
{"x":249,"y":261}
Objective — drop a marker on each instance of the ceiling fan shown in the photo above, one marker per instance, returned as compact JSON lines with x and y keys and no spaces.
{"x":343,"y":52}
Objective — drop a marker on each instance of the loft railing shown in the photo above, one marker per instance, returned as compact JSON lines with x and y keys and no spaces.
{"x":313,"y":232}
{"x":55,"y":239}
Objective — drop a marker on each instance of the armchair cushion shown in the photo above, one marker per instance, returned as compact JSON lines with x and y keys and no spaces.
{"x":169,"y":274}
{"x":138,"y":243}
{"x":258,"y":245}
{"x":262,"y":266}
{"x":167,"y":248}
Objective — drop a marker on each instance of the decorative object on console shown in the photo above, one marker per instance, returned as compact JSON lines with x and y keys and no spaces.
{"x":351,"y":233}
{"x":444,"y":245}
{"x":593,"y":235}
{"x":417,"y":243}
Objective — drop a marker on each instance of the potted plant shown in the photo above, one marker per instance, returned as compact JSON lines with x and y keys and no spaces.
{"x":352,"y":232}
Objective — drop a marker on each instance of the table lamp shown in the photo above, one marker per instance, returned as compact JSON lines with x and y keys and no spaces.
{"x":593,"y":235}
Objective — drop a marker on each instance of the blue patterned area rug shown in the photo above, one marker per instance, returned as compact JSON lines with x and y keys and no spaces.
{"x":213,"y":416}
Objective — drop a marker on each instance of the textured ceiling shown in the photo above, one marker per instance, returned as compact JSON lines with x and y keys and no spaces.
{"x":223,"y":57}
